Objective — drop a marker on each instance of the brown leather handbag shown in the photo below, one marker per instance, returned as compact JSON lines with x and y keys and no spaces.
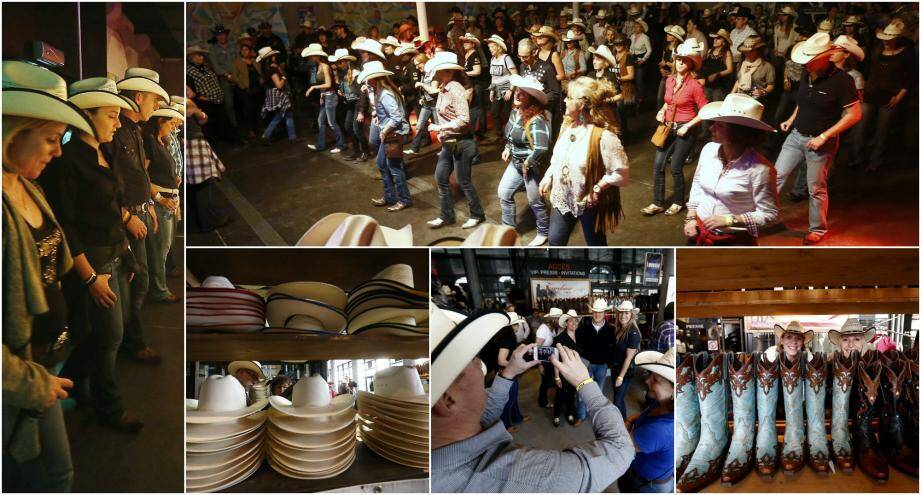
{"x":665,"y":131}
{"x":393,"y":145}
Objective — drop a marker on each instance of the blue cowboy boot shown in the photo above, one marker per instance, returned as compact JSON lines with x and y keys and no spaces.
{"x":687,"y":412}
{"x":704,"y":466}
{"x":893,"y":419}
{"x":791,"y":377}
{"x":866,"y":448}
{"x":766,"y":446}
{"x":843,"y":372}
{"x":816,"y":374}
{"x":741,"y":455}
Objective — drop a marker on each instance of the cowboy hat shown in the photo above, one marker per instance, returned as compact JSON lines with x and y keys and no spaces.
{"x":546,"y":32}
{"x":170,"y":111}
{"x":706,"y":13}
{"x":849,"y":44}
{"x":632,"y":11}
{"x":497,"y":40}
{"x":314,"y":440}
{"x":662,"y":364}
{"x":314,"y":49}
{"x":599,"y":305}
{"x":643,"y":24}
{"x":414,"y":418}
{"x":192,"y":50}
{"x":604,"y":53}
{"x":514,"y":319}
{"x":399,"y":386}
{"x":390,"y":40}
{"x":98,"y":92}
{"x":35,"y":92}
{"x":492,"y":235}
{"x":288,"y":451}
{"x":314,"y":306}
{"x":395,"y":440}
{"x":572,"y":36}
{"x":343,"y":229}
{"x":825,"y":26}
{"x":244,"y":36}
{"x":222,"y":398}
{"x":893,"y":30}
{"x":676,"y":31}
{"x":469,"y":37}
{"x":368,"y":45}
{"x":177,"y":100}
{"x":455,"y":340}
{"x":238,"y":470}
{"x":531,"y":8}
{"x":253,"y":366}
{"x":355,"y":42}
{"x":626,"y":306}
{"x":140,"y":79}
{"x":816,"y":45}
{"x":793,"y":327}
{"x":787,"y":10}
{"x":265,"y":52}
{"x":529,"y":85}
{"x":341,"y":54}
{"x":565,"y":318}
{"x":577,"y":22}
{"x":219,"y":29}
{"x":214,"y":432}
{"x":691,"y":51}
{"x":851,"y":327}
{"x":722,"y":33}
{"x":397,"y":455}
{"x":307,"y":24}
{"x":405,"y":49}
{"x":601,"y":14}
{"x":444,"y":61}
{"x":371,"y":70}
{"x":223,"y":444}
{"x":852,"y":20}
{"x":554,"y":313}
{"x":738,"y":109}
{"x":753,"y":42}
{"x":310,"y":398}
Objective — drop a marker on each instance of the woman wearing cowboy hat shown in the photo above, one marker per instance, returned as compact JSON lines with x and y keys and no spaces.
{"x":791,"y":341}
{"x":852,"y":338}
{"x":425,"y":111}
{"x":546,"y":39}
{"x":475,"y":67}
{"x":527,"y":142}
{"x":564,"y":401}
{"x":674,"y":36}
{"x":732,"y":196}
{"x":350,"y":91}
{"x":501,"y":68}
{"x":716,"y":71}
{"x":329,"y":100}
{"x":626,"y":345}
{"x":785,"y":36}
{"x":626,"y":71}
{"x":756,"y":75}
{"x":573,"y":56}
{"x":641,"y":49}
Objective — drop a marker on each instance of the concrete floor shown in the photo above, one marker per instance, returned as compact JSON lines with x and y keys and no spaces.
{"x":277,"y":192}
{"x":153,"y":460}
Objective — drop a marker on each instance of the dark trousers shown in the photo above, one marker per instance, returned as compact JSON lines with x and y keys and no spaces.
{"x":480,"y":123}
{"x":500,"y":110}
{"x":565,"y":401}
{"x":511,"y":415}
{"x":546,"y":383}
{"x":457,"y":156}
{"x":140,"y":284}
{"x":620,"y":393}
{"x":204,"y":205}
{"x":218,"y":126}
{"x":561,"y":226}
{"x":675,"y":153}
{"x":360,"y":132}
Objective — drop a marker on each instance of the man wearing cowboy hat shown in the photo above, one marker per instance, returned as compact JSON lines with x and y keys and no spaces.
{"x":209,"y":94}
{"x":544,"y":72}
{"x":342,"y":37}
{"x":268,"y":38}
{"x":826,"y":106}
{"x":248,"y":373}
{"x":222,"y":54}
{"x":740,"y":31}
{"x":596,"y":336}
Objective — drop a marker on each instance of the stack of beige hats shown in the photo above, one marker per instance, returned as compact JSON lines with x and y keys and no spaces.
{"x":312,"y":436}
{"x":388,"y":304}
{"x":224,"y":436}
{"x":394,"y":419}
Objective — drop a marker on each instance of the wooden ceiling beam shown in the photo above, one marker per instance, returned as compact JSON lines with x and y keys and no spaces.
{"x":793,"y":302}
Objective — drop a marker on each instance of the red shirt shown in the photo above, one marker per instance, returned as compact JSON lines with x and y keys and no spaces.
{"x":690,"y":99}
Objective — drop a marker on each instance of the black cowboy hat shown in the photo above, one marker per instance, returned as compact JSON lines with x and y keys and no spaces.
{"x":219,"y":29}
{"x":806,"y":29}
{"x":744,"y":12}
{"x":264,"y":24}
{"x":337,"y":23}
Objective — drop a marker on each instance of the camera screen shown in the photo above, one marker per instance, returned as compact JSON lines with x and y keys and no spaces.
{"x":544,"y":353}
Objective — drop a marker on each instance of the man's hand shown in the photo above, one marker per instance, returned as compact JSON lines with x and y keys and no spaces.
{"x":136,"y":227}
{"x":785,"y":125}
{"x":505,"y":154}
{"x":570,"y":365}
{"x":516,"y":363}
{"x":58,"y":392}
{"x":816,"y":143}
{"x":154,"y":224}
{"x":101,"y":292}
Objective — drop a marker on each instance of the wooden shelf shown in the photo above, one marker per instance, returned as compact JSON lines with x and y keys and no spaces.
{"x":297,"y":347}
{"x":369,"y":468}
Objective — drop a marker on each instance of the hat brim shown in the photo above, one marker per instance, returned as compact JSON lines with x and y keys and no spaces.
{"x":779,"y":331}
{"x":458,"y":348}
{"x":350,"y":58}
{"x":312,"y":441}
{"x":886,"y":37}
{"x":249,"y":365}
{"x":799,"y":56}
{"x":212,"y":432}
{"x":222,"y":445}
{"x":362,"y":77}
{"x":744,"y":49}
{"x":30,"y":103}
{"x":196,"y":416}
{"x":142,"y":84}
{"x":337,"y":405}
{"x":260,"y":58}
{"x":307,"y":53}
{"x":711,"y":111}
{"x":393,"y":454}
{"x":236,"y":474}
{"x":98,"y":98}
{"x":410,"y":403}
{"x":168,"y":113}
{"x":611,"y":61}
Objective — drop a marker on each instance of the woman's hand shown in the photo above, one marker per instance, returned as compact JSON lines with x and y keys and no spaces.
{"x":717,"y":222}
{"x":785,"y":125}
{"x":683,"y":130}
{"x":619,"y":381}
{"x":570,"y":365}
{"x":660,"y":117}
{"x":309,"y":90}
{"x":690,"y":228}
{"x":894,"y":101}
{"x":101,"y":292}
{"x":545,"y":187}
{"x":136,"y":227}
{"x":505,"y":153}
{"x":58,"y":392}
{"x":360,"y":118}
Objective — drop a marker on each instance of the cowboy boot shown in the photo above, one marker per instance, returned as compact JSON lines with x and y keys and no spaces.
{"x":741,"y":455}
{"x":816,"y":373}
{"x":910,"y":403}
{"x":843,"y":372}
{"x":704,"y":466}
{"x":766,"y":444}
{"x":892,"y":426}
{"x":687,"y":410}
{"x":869,"y":458}
{"x":791,"y":377}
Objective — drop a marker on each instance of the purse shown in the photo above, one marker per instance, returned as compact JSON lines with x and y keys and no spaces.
{"x":393,"y":145}
{"x":665,"y":132}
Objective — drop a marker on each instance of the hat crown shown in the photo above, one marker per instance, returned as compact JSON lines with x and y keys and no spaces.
{"x":312,"y":391}
{"x":600,"y":304}
{"x":340,"y":52}
{"x":689,"y":48}
{"x":852,"y":325}
{"x":737,"y":104}
{"x":554,"y":312}
{"x":795,"y":326}
{"x":23,"y":75}
{"x":444,"y":58}
{"x":221,"y":394}
{"x":398,"y":382}
{"x":142,"y":72}
{"x":93,"y":84}
{"x":625,"y":306}
{"x":373,"y":66}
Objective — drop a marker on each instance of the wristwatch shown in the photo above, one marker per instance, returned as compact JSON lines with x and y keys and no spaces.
{"x":597,"y":189}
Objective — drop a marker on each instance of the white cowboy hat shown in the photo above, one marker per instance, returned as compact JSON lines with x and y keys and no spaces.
{"x":849,"y":44}
{"x":311,"y":425}
{"x":372,"y":70}
{"x":170,"y":112}
{"x":224,"y":444}
{"x":626,"y":306}
{"x":287,"y":451}
{"x":455,"y":340}
{"x":253,"y":366}
{"x":604,"y":53}
{"x":313,"y":440}
{"x":565,"y":318}
{"x":497,"y":40}
{"x":572,"y":36}
{"x":642,"y":24}
{"x":35,"y":92}
{"x":554,"y":313}
{"x":676,"y":31}
{"x":341,"y":54}
{"x":265,"y":52}
{"x":314,"y":49}
{"x":177,"y":100}
{"x":787,"y":10}
{"x":225,"y":430}
{"x":390,"y":40}
{"x":692,"y":51}
{"x":599,"y":305}
{"x":469,"y":37}
{"x":514,"y":319}
{"x":98,"y":92}
{"x":217,"y":282}
{"x":405,"y":49}
{"x":444,"y":61}
{"x":852,"y":20}
{"x":307,"y":471}
{"x":192,"y":50}
{"x":222,"y":398}
{"x":310,"y":398}
{"x":529,"y":85}
{"x":397,"y":441}
{"x":399,"y":386}
{"x":489,"y":234}
{"x":825,"y":26}
{"x":738,"y":109}
{"x":394,"y":453}
{"x":601,"y":14}
{"x":632,"y":10}
{"x":315,"y":306}
{"x":411,"y":422}
{"x":140,"y":79}
{"x":232,"y":472}
{"x":577,"y":22}
{"x":793,"y":327}
{"x":895,"y":29}
{"x":344,"y":229}
{"x":817,"y":44}
{"x":658,"y":363}
{"x":851,"y":327}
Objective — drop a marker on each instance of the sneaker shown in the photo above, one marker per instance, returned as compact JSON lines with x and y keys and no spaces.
{"x":571,"y":419}
{"x":437,"y":223}
{"x":313,"y":147}
{"x":556,"y":422}
{"x":472,"y":222}
{"x":410,"y":152}
{"x":539,"y":240}
{"x":674,"y":209}
{"x":813,"y":238}
{"x":336,"y":150}
{"x":652,"y":209}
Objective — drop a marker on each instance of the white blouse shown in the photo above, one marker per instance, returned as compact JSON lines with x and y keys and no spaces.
{"x":568,"y":164}
{"x":747,"y":188}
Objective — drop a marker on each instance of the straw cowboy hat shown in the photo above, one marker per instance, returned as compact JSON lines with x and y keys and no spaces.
{"x":264,"y":53}
{"x":444,"y":61}
{"x":787,"y":10}
{"x":851,"y":327}
{"x":531,"y":8}
{"x":310,"y":398}
{"x":602,"y":14}
{"x":852,"y":20}
{"x":405,"y":49}
{"x":370,"y":46}
{"x":706,"y":13}
{"x":722,"y":33}
{"x":554,"y":313}
{"x":192,"y":50}
{"x":893,"y":30}
{"x":577,"y":22}
{"x":455,"y":340}
{"x":214,"y":432}
{"x":341,"y":54}
{"x":171,"y":111}
{"x":314,"y":49}
{"x":344,"y":229}
{"x":793,"y":327}
{"x":817,"y":44}
{"x":692,"y":52}
{"x":35,"y":92}
{"x":398,"y":386}
{"x":253,"y":366}
{"x":599,"y":305}
{"x":626,"y":307}
{"x":546,"y":32}
{"x":849,"y":44}
{"x":529,"y":85}
{"x":604,"y":53}
{"x":825,"y":26}
{"x":497,"y":40}
{"x":566,"y":317}
{"x":489,"y":234}
{"x":470,"y":37}
{"x":676,"y":31}
{"x":662,"y":364}
{"x":98,"y":92}
{"x":314,"y":306}
{"x":390,"y":40}
{"x":642,"y":24}
{"x":738,"y":109}
{"x":633,"y":11}
{"x":372,"y":70}
{"x":244,"y":36}
{"x":572,"y":36}
{"x":140,"y":79}
{"x":753,"y":42}
{"x":222,"y":398}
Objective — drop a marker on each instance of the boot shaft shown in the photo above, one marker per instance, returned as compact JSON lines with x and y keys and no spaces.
{"x":816,"y":373}
{"x":741,"y":375}
{"x":868,"y":381}
{"x":791,"y":373}
{"x":843,"y":370}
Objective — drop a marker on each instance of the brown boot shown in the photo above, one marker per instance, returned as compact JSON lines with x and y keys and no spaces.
{"x":866,"y":448}
{"x":892,"y":420}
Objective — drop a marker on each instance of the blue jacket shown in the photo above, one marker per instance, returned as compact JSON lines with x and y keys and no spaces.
{"x":390,"y":114}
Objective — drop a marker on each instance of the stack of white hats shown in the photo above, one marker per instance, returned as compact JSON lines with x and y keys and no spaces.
{"x":389,"y":304}
{"x":224,"y":436}
{"x":394,"y":419}
{"x":312,"y":436}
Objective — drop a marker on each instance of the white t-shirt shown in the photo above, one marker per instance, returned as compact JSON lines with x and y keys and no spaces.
{"x":545,"y":335}
{"x":858,"y":79}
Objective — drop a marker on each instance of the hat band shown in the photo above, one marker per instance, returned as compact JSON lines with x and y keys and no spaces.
{"x":49,"y":95}
{"x":445,"y":342}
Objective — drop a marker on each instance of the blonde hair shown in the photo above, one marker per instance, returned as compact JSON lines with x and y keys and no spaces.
{"x":14,"y":126}
{"x":597,"y":96}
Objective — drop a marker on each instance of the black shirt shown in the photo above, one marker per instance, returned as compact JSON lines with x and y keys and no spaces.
{"x":889,"y":74}
{"x":822,"y":101}
{"x":598,"y":345}
{"x":630,"y":341}
{"x":546,"y":74}
{"x":504,"y":339}
{"x":162,"y":167}
{"x":566,"y":340}
{"x":128,"y":157}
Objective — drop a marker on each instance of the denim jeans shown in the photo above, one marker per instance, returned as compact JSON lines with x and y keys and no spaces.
{"x":158,"y":246}
{"x":511,"y":414}
{"x":620,"y":393}
{"x":328,"y":117}
{"x":227,"y":87}
{"x":879,"y":119}
{"x":630,"y":482}
{"x":598,"y":372}
{"x":457,"y":156}
{"x":108,"y":328}
{"x":53,"y":470}
{"x":561,"y":226}
{"x":500,"y":110}
{"x":374,"y":139}
{"x":818,"y":162}
{"x":393,"y":176}
{"x":288,"y":116}
{"x":677,"y":152}
{"x":134,"y":336}
{"x":349,"y":127}
{"x":422,"y":127}
{"x":479,"y":122}
{"x":360,"y":131}
{"x":512,"y":181}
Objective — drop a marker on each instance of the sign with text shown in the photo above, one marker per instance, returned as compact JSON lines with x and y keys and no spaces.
{"x":545,"y":288}
{"x":652,"y":267}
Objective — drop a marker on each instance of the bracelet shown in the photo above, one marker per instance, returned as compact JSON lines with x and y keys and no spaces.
{"x":823,"y":136}
{"x":90,"y":281}
{"x":128,"y":220}
{"x":730,"y":220}
{"x":584,"y":382}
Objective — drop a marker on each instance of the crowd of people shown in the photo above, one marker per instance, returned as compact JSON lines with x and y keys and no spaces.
{"x":91,"y":177}
{"x":756,"y":95}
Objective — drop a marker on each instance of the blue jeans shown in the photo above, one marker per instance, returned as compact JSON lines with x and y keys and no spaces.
{"x":52,"y":471}
{"x":158,"y":246}
{"x":598,"y":372}
{"x":512,"y":181}
{"x":133,"y":338}
{"x":879,"y":120}
{"x":328,"y":117}
{"x":677,"y":151}
{"x":457,"y":156}
{"x":511,"y":414}
{"x":393,"y":176}
{"x":561,"y":226}
{"x":818,"y":162}
{"x":108,"y":326}
{"x":288,"y":117}
{"x":422,"y":126}
{"x":349,"y":128}
{"x":620,"y":393}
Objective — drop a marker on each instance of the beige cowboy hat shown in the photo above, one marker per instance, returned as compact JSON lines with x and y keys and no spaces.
{"x":222,"y":398}
{"x":817,"y":44}
{"x":849,"y":44}
{"x":738,"y":109}
{"x":676,"y":31}
{"x":224,"y":444}
{"x":662,"y":364}
{"x":265,"y":52}
{"x":225,"y":430}
{"x":344,"y":229}
{"x":399,"y":386}
{"x":825,"y":26}
{"x":626,"y":306}
{"x":565,"y":318}
{"x":599,"y":305}
{"x":192,"y":50}
{"x":236,"y":471}
{"x":794,"y":327}
{"x":405,"y":49}
{"x":529,"y":85}
{"x":393,"y":451}
{"x":852,"y":20}
{"x":787,"y":10}
{"x":753,"y":42}
{"x":314,"y":49}
{"x":341,"y":54}
{"x":253,"y":366}
{"x":604,"y":53}
{"x":851,"y":327}
{"x":577,"y":22}
{"x":314,"y":440}
{"x":312,"y":306}
{"x":691,"y":51}
{"x":390,"y":40}
{"x":311,"y":461}
{"x":554,"y":313}
{"x":572,"y":36}
{"x":643,"y":24}
{"x":140,"y":79}
{"x":632,"y":11}
{"x":368,"y":45}
{"x":601,"y":14}
{"x":489,"y":234}
{"x":170,"y":111}
{"x":244,"y":36}
{"x":895,"y":29}
{"x":546,"y":32}
{"x":310,"y":398}
{"x":413,"y":419}
{"x":197,"y":463}
{"x":722,"y":33}
{"x":470,"y":37}
{"x":285,"y":470}
{"x":496,"y":40}
{"x":357,"y":41}
{"x":407,"y":446}
{"x":315,"y":455}
{"x":444,"y":61}
{"x":286,"y":423}
{"x":98,"y":92}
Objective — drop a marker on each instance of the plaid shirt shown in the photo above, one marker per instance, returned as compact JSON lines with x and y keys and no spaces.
{"x":453,"y":111}
{"x":202,"y":163}
{"x":205,"y":83}
{"x":276,"y":99}
{"x":520,"y":147}
{"x":664,"y":336}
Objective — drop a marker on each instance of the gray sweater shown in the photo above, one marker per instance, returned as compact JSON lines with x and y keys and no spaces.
{"x":489,"y":463}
